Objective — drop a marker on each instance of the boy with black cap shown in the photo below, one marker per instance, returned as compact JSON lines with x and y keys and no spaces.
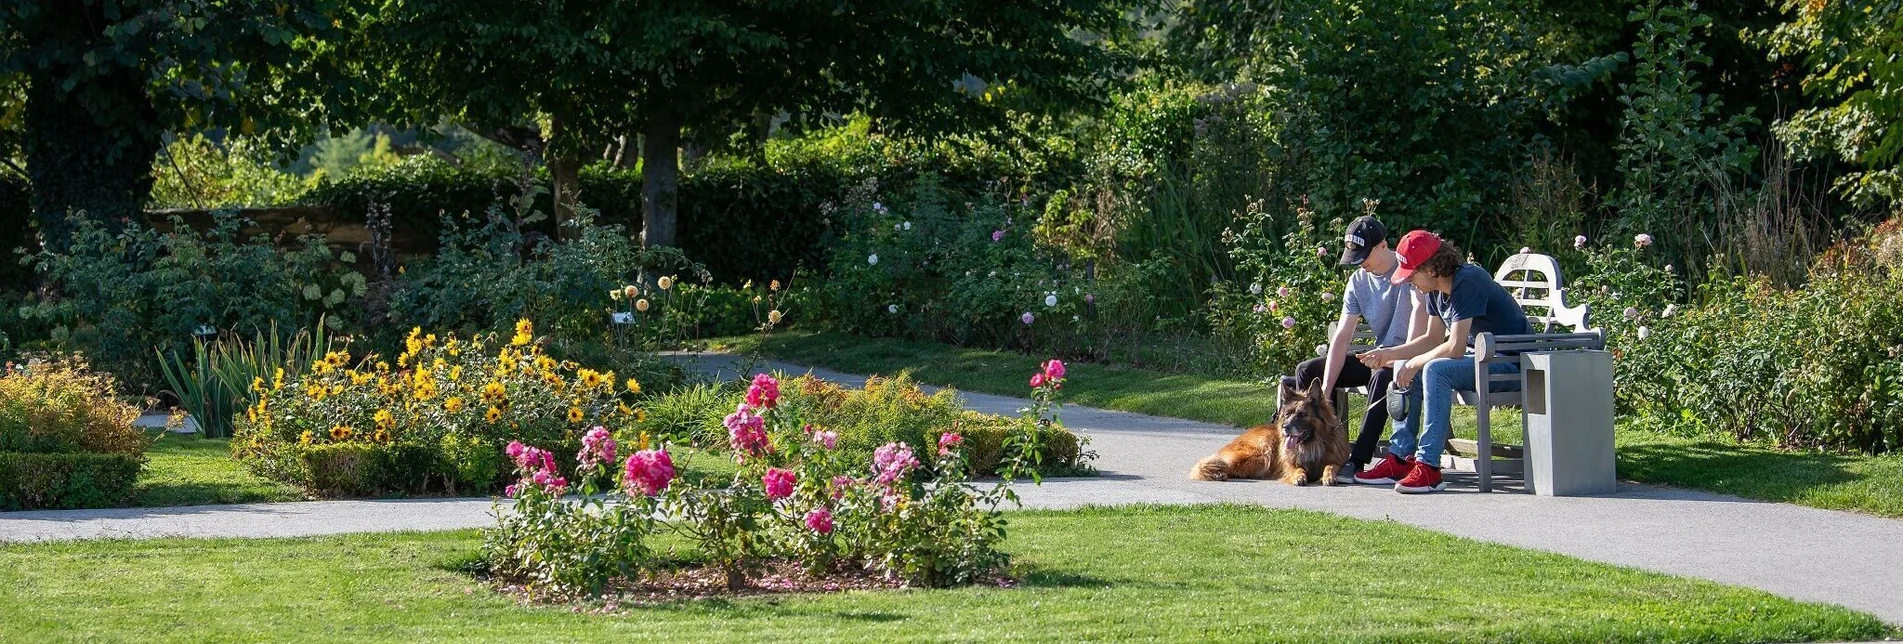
{"x":1392,"y":310}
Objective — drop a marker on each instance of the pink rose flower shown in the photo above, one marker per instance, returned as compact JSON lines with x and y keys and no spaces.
{"x":892,"y":462}
{"x":764,"y":393}
{"x":1642,"y":240}
{"x":648,"y":471}
{"x":1054,"y":369}
{"x":1288,"y":323}
{"x":949,"y":441}
{"x":1037,"y":380}
{"x":1027,"y":318}
{"x":598,"y":446}
{"x":841,"y":483}
{"x":779,"y":483}
{"x":997,"y":236}
{"x":1579,"y":243}
{"x":828,"y":438}
{"x":746,"y":432}
{"x":820,"y":520}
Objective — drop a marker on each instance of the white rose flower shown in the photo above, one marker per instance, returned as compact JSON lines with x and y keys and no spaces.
{"x":1050,"y":300}
{"x":873,"y":259}
{"x":892,"y":308}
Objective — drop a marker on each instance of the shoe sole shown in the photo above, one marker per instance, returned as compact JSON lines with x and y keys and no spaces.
{"x":1376,"y":481}
{"x":1420,"y":490}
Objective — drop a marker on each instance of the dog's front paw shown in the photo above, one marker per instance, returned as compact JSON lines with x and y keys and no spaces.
{"x":1297,"y":478}
{"x":1329,"y":473}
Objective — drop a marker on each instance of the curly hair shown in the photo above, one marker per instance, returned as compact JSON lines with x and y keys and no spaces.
{"x":1444,"y":261}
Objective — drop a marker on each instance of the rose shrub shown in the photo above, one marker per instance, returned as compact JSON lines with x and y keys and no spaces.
{"x":796,"y":497}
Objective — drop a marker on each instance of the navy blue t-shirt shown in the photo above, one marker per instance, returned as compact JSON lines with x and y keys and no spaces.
{"x":1477,"y":297}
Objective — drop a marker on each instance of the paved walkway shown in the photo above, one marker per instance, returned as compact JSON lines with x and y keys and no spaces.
{"x":1838,"y":557}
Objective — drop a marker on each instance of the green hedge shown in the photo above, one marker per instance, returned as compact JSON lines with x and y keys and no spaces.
{"x":65,"y":481}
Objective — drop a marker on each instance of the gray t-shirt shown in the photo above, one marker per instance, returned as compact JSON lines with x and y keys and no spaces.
{"x":1383,"y":304}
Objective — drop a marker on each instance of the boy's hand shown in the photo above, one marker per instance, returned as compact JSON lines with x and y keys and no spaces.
{"x":1404,"y":373}
{"x":1376,"y":358}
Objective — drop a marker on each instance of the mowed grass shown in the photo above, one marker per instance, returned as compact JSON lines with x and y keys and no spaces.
{"x":182,"y":469}
{"x":1211,"y":573}
{"x":1869,"y":484}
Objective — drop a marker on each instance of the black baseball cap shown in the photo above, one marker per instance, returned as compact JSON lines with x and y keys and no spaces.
{"x":1364,"y":233}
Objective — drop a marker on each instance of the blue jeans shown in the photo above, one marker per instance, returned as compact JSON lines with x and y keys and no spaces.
{"x":1431,"y":401}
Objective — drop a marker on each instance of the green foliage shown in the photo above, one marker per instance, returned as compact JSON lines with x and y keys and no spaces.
{"x":1812,"y":366}
{"x":66,"y":481}
{"x":896,"y":410}
{"x":121,"y":296}
{"x":690,"y":415}
{"x":1846,"y":53}
{"x":194,"y":172}
{"x":1283,"y":314}
{"x":1676,"y":141}
{"x":361,"y":469}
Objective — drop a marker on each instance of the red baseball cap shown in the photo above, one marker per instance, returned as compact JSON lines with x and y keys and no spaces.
{"x":1414,"y":249}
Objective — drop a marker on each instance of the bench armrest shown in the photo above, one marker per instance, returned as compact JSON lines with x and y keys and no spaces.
{"x":1488,"y":346}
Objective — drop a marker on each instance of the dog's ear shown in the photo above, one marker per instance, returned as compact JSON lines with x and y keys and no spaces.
{"x":1315,"y":392}
{"x":1289,"y":392}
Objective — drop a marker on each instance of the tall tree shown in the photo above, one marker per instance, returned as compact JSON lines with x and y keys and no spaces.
{"x":106,"y":78}
{"x":1845,"y":54}
{"x":581,"y":73}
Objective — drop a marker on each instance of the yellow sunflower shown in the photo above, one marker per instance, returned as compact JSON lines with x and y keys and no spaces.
{"x":574,"y":414}
{"x":305,"y":438}
{"x":384,"y":419}
{"x":634,"y":387}
{"x":381,"y":436}
{"x":493,"y":414}
{"x":340,"y":433}
{"x":492,"y":392}
{"x":454,"y":404}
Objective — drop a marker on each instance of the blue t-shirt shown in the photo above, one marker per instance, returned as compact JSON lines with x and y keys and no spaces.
{"x":1477,"y":297}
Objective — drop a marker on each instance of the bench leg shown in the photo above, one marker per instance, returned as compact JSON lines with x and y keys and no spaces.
{"x":1483,"y":412}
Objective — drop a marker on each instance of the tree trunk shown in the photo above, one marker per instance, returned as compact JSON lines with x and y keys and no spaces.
{"x":564,"y":170}
{"x":83,"y":161}
{"x":660,"y":179}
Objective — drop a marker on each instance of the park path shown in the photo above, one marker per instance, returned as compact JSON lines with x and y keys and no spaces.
{"x":1804,"y":553}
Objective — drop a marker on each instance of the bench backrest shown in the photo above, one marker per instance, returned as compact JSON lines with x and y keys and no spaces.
{"x":1534,"y":281}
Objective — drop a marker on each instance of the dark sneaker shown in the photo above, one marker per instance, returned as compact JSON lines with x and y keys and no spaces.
{"x":1391,"y":468}
{"x":1347,"y":472}
{"x":1422,"y":480}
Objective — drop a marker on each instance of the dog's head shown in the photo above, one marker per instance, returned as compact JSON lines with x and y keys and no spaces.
{"x":1305,"y":414}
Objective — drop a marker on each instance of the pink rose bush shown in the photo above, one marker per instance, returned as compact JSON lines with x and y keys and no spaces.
{"x":795,"y":498}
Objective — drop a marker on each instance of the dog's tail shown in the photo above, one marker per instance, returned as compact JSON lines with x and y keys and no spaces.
{"x":1212,"y":468}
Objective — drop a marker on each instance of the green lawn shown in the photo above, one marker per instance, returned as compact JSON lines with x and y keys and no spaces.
{"x":1840,"y":482}
{"x":1173,"y":573}
{"x":182,"y":469}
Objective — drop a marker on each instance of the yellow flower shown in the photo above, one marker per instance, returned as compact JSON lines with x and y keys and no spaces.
{"x":429,"y":340}
{"x":403,"y":360}
{"x":383,"y":366}
{"x":336,"y":390}
{"x":340,"y":433}
{"x":773,"y":316}
{"x":382,"y":437}
{"x":315,"y":391}
{"x":415,"y":332}
{"x":257,"y":384}
{"x":623,"y":409}
{"x":641,"y":305}
{"x":304,"y":438}
{"x":524,"y":326}
{"x":774,"y":286}
{"x":493,"y":414}
{"x":634,"y":387}
{"x":454,"y":404}
{"x":455,"y":373}
{"x":337,"y":358}
{"x":384,"y":419}
{"x":643,"y":443}
{"x":591,"y":378}
{"x":493,"y":392}
{"x":640,"y":415}
{"x":357,"y":378}
{"x":453,"y":347}
{"x":521,"y":339}
{"x":545,"y":363}
{"x":665,"y":282}
{"x":574,"y":414}
{"x":553,"y":379}
{"x":321,"y":367}
{"x":277,"y":381}
{"x":569,"y":365}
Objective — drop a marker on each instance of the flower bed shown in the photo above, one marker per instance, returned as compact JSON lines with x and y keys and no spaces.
{"x":799,"y":501}
{"x":65,"y":442}
{"x":435,"y":420}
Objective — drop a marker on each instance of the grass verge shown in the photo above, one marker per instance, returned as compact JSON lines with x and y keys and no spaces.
{"x":183,"y":469}
{"x":1174,"y":573}
{"x":1870,"y":484}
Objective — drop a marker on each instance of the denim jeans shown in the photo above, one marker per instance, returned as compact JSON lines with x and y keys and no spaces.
{"x":1431,"y":402}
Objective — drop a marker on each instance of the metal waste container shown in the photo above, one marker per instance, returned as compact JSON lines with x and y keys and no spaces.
{"x":1568,"y":408}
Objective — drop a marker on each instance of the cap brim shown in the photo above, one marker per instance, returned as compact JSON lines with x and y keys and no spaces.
{"x":1401,"y":275}
{"x":1354,"y":257}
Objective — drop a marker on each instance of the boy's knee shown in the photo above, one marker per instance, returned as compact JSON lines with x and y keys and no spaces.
{"x":1309,"y":370}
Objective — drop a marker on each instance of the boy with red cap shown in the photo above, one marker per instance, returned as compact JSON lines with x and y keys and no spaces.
{"x":1463,"y":301}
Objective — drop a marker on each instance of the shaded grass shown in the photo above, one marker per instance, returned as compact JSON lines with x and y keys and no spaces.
{"x":1221,"y":573}
{"x":1870,"y":484}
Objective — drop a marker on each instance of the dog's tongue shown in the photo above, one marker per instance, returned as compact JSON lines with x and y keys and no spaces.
{"x":1289,"y":442}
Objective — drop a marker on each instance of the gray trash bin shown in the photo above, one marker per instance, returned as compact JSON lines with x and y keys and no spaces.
{"x":1569,"y":423}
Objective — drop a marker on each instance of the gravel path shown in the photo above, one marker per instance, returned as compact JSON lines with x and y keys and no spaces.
{"x":1804,"y":553}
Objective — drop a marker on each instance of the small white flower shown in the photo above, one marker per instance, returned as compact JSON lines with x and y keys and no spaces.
{"x":1579,"y":242}
{"x":1669,"y":269}
{"x":892,"y":308}
{"x":1642,"y":240}
{"x":1645,"y":332}
{"x":1050,"y":300}
{"x":878,"y":207}
{"x":1525,"y":250}
{"x":873,"y":259}
{"x":908,"y":225}
{"x":1327,"y":296}
{"x":895,"y":228}
{"x":1255,"y":289}
{"x":1669,"y":310}
{"x":1631,"y":313}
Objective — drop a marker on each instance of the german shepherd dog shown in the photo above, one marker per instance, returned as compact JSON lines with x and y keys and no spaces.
{"x":1304,"y":440}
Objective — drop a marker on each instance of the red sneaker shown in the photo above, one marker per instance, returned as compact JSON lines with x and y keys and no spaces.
{"x":1386,"y":472}
{"x":1422,"y":480}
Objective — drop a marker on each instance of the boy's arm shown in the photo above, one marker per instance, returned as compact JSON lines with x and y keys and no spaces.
{"x":1454,"y":347}
{"x":1338,"y":349}
{"x":1424,"y":332}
